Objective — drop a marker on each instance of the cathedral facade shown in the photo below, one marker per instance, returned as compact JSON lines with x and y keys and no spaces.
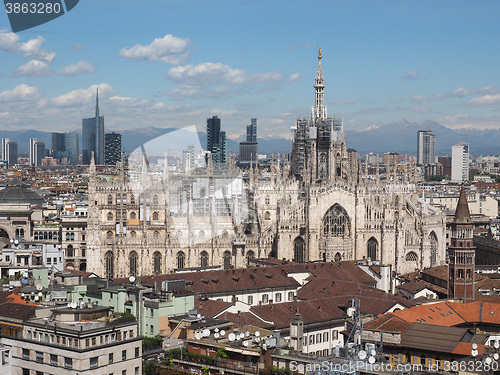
{"x":321,"y":204}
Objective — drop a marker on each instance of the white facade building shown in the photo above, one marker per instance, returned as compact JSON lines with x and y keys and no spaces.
{"x":460,"y":163}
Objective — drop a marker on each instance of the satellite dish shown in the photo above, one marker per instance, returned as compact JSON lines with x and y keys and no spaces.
{"x":497,"y":344}
{"x":362,"y":354}
{"x":474,"y":346}
{"x":496,"y":356}
{"x":40,"y":294}
{"x":216,"y":330}
{"x":374,"y":352}
{"x":474,"y":353}
{"x":197,"y":335}
{"x":487,"y":360}
{"x":231,"y":336}
{"x":371,"y":360}
{"x":206,"y":332}
{"x":245,"y":343}
{"x":257,"y":339}
{"x":216,"y":335}
{"x":242,"y":336}
{"x":257,"y":333}
{"x":247,"y":334}
{"x":37,"y":298}
{"x":198,"y":316}
{"x":132,"y":279}
{"x":222,"y":332}
{"x":74,"y":305}
{"x":39,"y":287}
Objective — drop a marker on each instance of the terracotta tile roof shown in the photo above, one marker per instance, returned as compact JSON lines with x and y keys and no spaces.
{"x":387,"y":323}
{"x":209,"y":308}
{"x":440,"y":272}
{"x":226,"y":281}
{"x":312,"y":311}
{"x":412,"y":287}
{"x":15,"y":298}
{"x":465,"y":348}
{"x":17,"y":311}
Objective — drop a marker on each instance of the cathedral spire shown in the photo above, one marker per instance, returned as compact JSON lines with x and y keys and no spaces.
{"x":319,"y":86}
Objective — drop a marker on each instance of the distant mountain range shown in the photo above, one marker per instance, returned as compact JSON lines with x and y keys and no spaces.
{"x":400,"y":137}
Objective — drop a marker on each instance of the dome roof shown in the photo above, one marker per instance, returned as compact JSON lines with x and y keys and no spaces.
{"x":17,"y":191}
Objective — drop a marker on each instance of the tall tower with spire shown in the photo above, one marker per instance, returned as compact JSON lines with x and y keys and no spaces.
{"x":319,"y":111}
{"x":462,"y":253}
{"x":93,"y":136}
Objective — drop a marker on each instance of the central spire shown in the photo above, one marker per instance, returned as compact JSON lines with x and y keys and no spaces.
{"x":319,"y":86}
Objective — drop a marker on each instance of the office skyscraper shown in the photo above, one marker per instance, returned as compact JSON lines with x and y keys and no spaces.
{"x":113,"y":148}
{"x":4,"y":148}
{"x":216,"y":140}
{"x":252,"y":131}
{"x":65,"y":147}
{"x":460,"y":162}
{"x":11,"y":153}
{"x":249,"y":149}
{"x":93,"y":136}
{"x":426,"y":147}
{"x":36,"y":152}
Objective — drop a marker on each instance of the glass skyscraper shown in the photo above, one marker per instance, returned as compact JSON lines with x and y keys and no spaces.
{"x":93,"y":137}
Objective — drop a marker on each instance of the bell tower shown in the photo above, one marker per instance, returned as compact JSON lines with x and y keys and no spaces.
{"x":461,"y":253}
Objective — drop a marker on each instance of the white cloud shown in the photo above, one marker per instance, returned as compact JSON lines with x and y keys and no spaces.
{"x":77,"y":47}
{"x":20,"y":93}
{"x":10,"y":42}
{"x":34,"y":68}
{"x":215,"y":79}
{"x":485,"y":100}
{"x":37,"y":68}
{"x":169,"y":49}
{"x":411,"y":75}
{"x":82,"y":67}
{"x":76,"y":98}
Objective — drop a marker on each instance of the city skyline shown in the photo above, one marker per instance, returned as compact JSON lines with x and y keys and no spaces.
{"x":383,"y":62}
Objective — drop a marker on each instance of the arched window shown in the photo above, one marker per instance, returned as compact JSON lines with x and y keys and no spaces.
{"x":227,"y":260}
{"x":109,"y":235}
{"x":133,"y":216}
{"x":110,"y":199}
{"x":204,"y":259}
{"x":250,"y":255}
{"x":70,"y":253}
{"x":372,"y":249}
{"x":337,"y":257}
{"x":155,"y":216}
{"x":336,"y":222}
{"x":299,"y":250}
{"x":35,"y":235}
{"x":110,"y":216}
{"x":156,"y":263}
{"x":132,"y":259}
{"x":132,"y":199}
{"x":411,"y":257}
{"x":267,"y":215}
{"x":181,"y":259}
{"x":434,"y":249}
{"x":133,"y":234}
{"x":155,"y":199}
{"x":156,"y":234}
{"x":268,"y":200}
{"x":108,"y":260}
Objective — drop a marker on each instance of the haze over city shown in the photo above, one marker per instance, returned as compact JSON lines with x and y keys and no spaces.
{"x":174,"y":64}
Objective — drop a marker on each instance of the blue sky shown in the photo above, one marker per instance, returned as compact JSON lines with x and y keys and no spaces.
{"x":175,"y":63}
